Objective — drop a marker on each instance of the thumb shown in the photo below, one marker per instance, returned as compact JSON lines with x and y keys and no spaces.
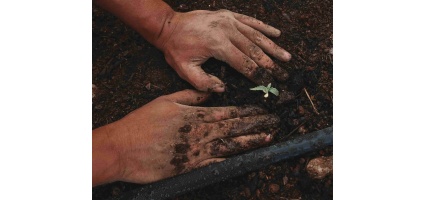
{"x":188,"y":97}
{"x":202,"y":81}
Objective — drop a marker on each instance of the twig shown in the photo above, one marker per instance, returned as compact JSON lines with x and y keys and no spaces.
{"x":290,"y":133}
{"x":300,"y":58}
{"x":314,"y":107}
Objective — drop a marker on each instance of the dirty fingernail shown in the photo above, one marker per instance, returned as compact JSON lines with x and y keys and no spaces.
{"x":268,"y":138}
{"x":277,"y":32}
{"x":285,"y":56}
{"x":219,"y":87}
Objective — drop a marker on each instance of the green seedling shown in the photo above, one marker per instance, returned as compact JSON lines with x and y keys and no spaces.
{"x":267,"y":89}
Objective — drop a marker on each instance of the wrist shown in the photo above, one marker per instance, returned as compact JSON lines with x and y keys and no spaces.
{"x":155,"y":24}
{"x":105,"y":156}
{"x":168,"y":25}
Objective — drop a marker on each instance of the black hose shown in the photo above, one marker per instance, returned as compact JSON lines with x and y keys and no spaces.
{"x":232,"y":167}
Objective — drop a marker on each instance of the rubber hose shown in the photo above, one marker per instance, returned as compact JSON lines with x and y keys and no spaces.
{"x":232,"y":167}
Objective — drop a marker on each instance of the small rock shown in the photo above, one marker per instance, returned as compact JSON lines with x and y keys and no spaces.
{"x":98,"y":107}
{"x":286,"y":16}
{"x":302,"y":130}
{"x":285,"y":180}
{"x":274,"y":188}
{"x":295,"y":122}
{"x":301,"y":110}
{"x":320,"y":167}
{"x":93,"y":90}
{"x":183,"y":7}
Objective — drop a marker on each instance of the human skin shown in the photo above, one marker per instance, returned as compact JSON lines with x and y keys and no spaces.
{"x":167,"y":136}
{"x":189,"y":39}
{"x":170,"y":136}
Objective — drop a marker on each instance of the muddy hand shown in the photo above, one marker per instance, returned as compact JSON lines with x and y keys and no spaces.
{"x":167,"y":136}
{"x":190,"y":39}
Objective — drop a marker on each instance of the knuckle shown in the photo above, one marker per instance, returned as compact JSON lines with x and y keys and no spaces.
{"x":256,"y":52}
{"x":223,"y":13}
{"x":258,"y":37}
{"x":248,"y":66}
{"x":276,"y":48}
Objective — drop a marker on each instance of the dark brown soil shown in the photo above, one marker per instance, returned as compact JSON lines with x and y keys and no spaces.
{"x":129,"y":72}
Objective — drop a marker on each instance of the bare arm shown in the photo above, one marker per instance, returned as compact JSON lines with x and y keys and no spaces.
{"x":189,"y":39}
{"x":105,"y":162}
{"x":147,"y":17}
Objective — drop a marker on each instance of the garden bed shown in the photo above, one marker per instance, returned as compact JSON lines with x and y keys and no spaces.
{"x":129,"y":72}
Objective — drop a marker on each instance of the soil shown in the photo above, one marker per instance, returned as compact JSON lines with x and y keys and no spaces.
{"x":129,"y":72}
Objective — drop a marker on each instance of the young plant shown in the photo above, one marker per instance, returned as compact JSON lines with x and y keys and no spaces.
{"x":267,"y":89}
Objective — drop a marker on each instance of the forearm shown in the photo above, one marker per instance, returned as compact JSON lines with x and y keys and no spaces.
{"x":105,"y":159}
{"x":148,"y":17}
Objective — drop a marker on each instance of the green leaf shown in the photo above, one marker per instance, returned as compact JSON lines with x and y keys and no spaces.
{"x":269,"y":85}
{"x":264,"y":89}
{"x":274,"y":91}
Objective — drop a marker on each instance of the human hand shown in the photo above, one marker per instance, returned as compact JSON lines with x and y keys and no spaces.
{"x":167,"y":136}
{"x":190,"y":39}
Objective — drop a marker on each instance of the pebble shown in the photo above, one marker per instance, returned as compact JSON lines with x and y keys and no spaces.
{"x":301,"y":110}
{"x":319,"y":168}
{"x":285,"y":180}
{"x":302,"y":130}
{"x":93,"y":90}
{"x":274,"y":188}
{"x":183,"y":7}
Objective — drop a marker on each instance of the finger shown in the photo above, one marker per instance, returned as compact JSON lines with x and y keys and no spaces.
{"x":258,"y":56}
{"x":230,"y":146}
{"x":200,"y":80}
{"x":215,"y":114}
{"x":263,"y":42}
{"x":239,"y":126}
{"x":188,"y":97}
{"x":209,"y":161}
{"x":245,"y":65}
{"x":257,"y":24}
